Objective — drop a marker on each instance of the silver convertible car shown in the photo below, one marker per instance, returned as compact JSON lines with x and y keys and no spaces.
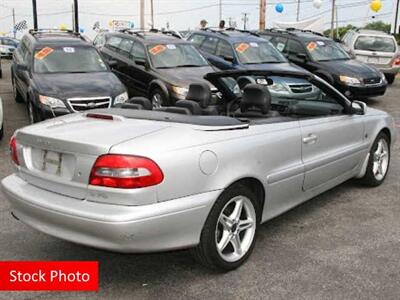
{"x":203,"y":174}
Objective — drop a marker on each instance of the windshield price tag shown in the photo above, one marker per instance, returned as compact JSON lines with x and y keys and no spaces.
{"x":171,"y":47}
{"x":69,"y":50}
{"x":43,"y":53}
{"x":280,"y":46}
{"x":254,"y":45}
{"x":242,"y":47}
{"x":157,"y":49}
{"x":312,"y":46}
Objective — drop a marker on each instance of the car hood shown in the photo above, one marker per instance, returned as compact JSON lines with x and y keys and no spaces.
{"x":351,"y":67}
{"x":287,"y":67}
{"x":185,"y":76}
{"x":67,"y":85}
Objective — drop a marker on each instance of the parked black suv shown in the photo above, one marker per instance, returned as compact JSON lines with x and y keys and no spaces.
{"x":233,"y":49}
{"x":154,"y":64}
{"x":59,"y":72}
{"x":328,"y":60}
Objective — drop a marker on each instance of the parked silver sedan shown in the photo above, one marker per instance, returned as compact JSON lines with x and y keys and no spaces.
{"x":197,"y":175}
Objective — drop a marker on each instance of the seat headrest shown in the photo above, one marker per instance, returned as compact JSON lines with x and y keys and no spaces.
{"x":199,"y":92}
{"x":193,"y":106}
{"x":256,"y":96}
{"x":144,"y":102}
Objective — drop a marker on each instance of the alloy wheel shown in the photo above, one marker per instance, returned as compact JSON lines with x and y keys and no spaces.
{"x":156,"y":101}
{"x":381,"y":160}
{"x":235,"y":229}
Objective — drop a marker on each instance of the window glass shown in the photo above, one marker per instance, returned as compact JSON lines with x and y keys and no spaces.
{"x":258,"y":53}
{"x":224,"y":49}
{"x":375,"y":43}
{"x":279,"y":43}
{"x":138,"y":52}
{"x":99,"y":40}
{"x":197,"y":39}
{"x":326,"y":51}
{"x":125,"y":47}
{"x":113,"y":42}
{"x":166,"y":56}
{"x":210,"y":45}
{"x":294,"y":48}
{"x":68,"y":60}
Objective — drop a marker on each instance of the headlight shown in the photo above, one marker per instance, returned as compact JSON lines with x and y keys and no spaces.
{"x":121,"y":98}
{"x":349,"y":80}
{"x":278,"y":88}
{"x":181,"y":91}
{"x":52,"y":102}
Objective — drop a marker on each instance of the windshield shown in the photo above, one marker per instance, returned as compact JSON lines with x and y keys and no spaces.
{"x":258,"y":53}
{"x":165,"y":56}
{"x":68,"y":60}
{"x":326,"y":51}
{"x":375,"y":43}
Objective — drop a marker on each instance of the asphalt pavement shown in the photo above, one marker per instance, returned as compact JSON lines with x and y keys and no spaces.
{"x":343,"y":244}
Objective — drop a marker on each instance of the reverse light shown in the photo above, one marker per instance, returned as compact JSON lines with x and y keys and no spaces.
{"x":125,"y":172}
{"x":52,"y":102}
{"x":349,"y":80}
{"x":14,"y":150}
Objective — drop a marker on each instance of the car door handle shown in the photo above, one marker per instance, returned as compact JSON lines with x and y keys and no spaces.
{"x":310,"y":139}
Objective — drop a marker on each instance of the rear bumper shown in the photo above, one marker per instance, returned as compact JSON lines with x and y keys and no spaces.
{"x":161,"y":226}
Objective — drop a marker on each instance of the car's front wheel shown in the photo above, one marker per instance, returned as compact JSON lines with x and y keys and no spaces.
{"x":158,"y":98}
{"x":229,"y":234}
{"x":17,"y":96}
{"x":33,"y":114}
{"x":390,"y":78}
{"x":379,"y":160}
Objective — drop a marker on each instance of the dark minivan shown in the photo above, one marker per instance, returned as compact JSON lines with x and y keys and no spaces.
{"x":154,"y":64}
{"x":59,"y":72}
{"x":328,"y":60}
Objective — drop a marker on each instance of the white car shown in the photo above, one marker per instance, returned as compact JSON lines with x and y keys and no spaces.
{"x":1,"y":120}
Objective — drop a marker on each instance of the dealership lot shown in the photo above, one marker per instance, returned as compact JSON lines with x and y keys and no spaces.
{"x":343,"y":244}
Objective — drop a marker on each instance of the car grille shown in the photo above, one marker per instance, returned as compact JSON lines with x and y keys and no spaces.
{"x":374,"y":80}
{"x":82,"y":104}
{"x":301,"y":88}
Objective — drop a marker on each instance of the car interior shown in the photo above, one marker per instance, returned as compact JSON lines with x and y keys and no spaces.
{"x":271,"y":100}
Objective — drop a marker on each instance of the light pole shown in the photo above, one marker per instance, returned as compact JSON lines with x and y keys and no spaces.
{"x":76,"y":16}
{"x":245,"y":19}
{"x":35,"y":21}
{"x":396,"y":16}
{"x":333,"y":19}
{"x":298,"y":11}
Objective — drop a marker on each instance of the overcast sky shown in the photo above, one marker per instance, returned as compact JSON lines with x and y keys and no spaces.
{"x":184,"y":14}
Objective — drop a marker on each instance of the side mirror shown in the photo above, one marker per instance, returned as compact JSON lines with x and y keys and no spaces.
{"x":112,"y":63}
{"x":228,"y":58}
{"x":22,"y":67}
{"x":358,"y":108}
{"x":302,"y":57}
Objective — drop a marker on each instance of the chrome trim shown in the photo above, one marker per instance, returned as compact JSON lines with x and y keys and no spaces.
{"x":107,"y":99}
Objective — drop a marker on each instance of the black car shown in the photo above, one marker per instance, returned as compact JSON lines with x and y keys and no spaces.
{"x":154,"y":64}
{"x":328,"y":60}
{"x":59,"y":72}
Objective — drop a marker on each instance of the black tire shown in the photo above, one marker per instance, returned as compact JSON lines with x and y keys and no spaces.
{"x":370,"y":178}
{"x":1,"y":73}
{"x":17,"y":95}
{"x":206,"y":252}
{"x":33,"y":115}
{"x":163,"y":100}
{"x":1,"y":131}
{"x":390,"y":78}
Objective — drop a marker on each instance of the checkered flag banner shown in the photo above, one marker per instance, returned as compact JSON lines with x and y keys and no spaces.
{"x":96,"y":26}
{"x":21,"y":26}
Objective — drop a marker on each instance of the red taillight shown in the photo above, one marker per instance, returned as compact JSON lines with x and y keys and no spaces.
{"x":396,"y":61}
{"x":13,"y":150}
{"x":125,"y":172}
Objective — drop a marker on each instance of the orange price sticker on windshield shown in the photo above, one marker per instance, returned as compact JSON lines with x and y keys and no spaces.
{"x":311,"y":46}
{"x":157,"y":49}
{"x":242,"y":47}
{"x":43,"y":53}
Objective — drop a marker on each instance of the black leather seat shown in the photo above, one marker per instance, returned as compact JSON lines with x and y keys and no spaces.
{"x":256,"y":102}
{"x":140,"y":103}
{"x":198,"y":100}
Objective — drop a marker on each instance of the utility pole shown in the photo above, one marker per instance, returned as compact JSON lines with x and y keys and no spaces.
{"x":142,"y":14}
{"x":76,"y":16}
{"x":337,"y":23}
{"x":152,"y":13}
{"x":396,"y":30}
{"x":298,"y":11}
{"x":245,"y":19}
{"x":220,"y":10}
{"x":333,"y":19}
{"x":263,"y":6}
{"x":35,"y":21}
{"x":14,"y":29}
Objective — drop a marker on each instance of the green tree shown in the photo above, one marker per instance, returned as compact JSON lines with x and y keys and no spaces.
{"x":379,"y":25}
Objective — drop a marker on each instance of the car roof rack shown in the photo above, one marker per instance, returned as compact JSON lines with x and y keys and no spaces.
{"x":211,"y":29}
{"x":50,"y":31}
{"x":292,"y":29}
{"x":166,"y":32}
{"x":243,"y":31}
{"x":131,"y":31}
{"x":141,"y":33}
{"x":278,"y":30}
